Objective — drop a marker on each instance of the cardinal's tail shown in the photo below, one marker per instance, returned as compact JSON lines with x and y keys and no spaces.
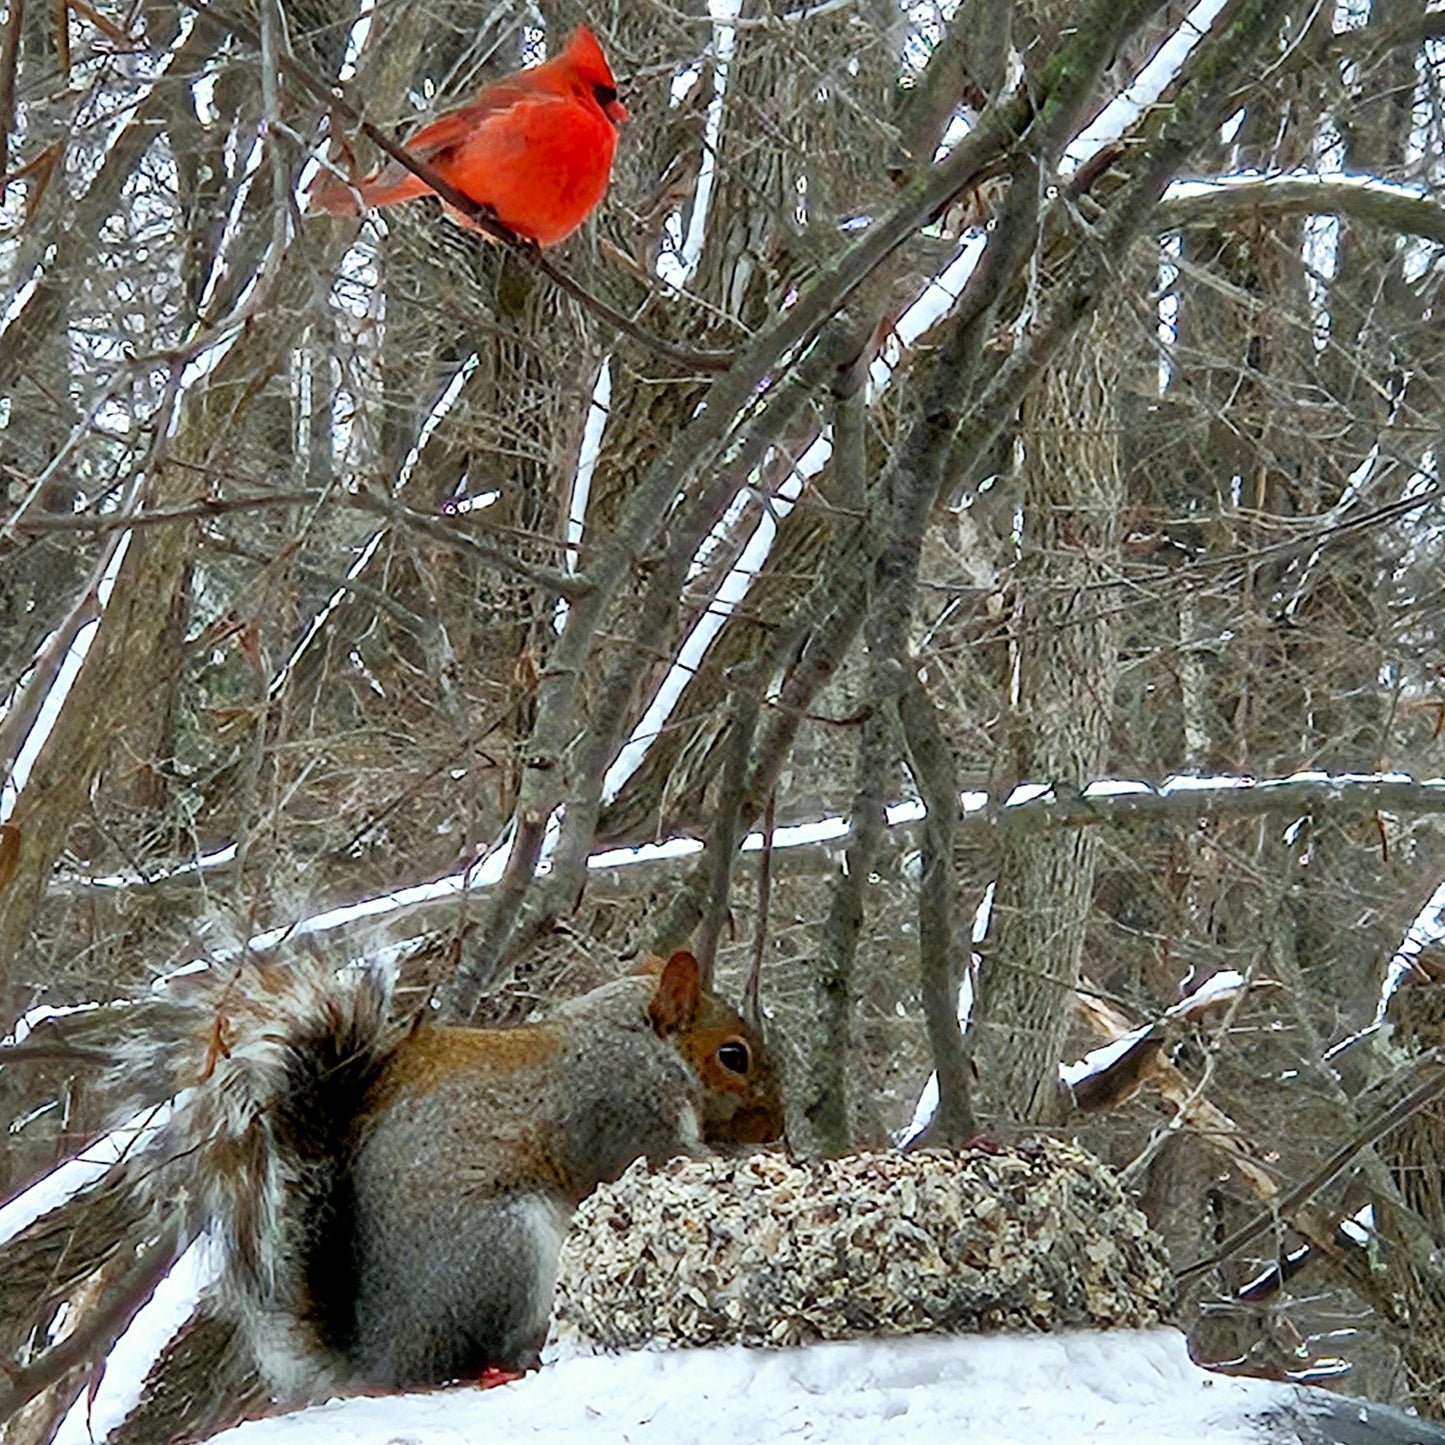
{"x":340,"y":198}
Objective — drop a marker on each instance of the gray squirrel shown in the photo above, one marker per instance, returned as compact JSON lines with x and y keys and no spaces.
{"x":390,"y":1197}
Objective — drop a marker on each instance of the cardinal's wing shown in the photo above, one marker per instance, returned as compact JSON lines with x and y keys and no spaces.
{"x":432,"y":142}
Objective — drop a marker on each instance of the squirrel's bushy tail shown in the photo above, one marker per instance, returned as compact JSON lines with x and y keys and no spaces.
{"x":267,"y":1066}
{"x":256,"y":1073}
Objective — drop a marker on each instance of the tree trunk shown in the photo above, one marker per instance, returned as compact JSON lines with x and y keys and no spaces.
{"x":1064,"y":667}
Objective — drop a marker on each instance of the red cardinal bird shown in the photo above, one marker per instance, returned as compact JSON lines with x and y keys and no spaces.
{"x":536,"y":148}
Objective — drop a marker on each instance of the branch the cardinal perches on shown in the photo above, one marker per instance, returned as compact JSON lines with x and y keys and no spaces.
{"x":332,"y":95}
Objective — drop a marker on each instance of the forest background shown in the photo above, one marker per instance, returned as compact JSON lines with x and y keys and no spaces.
{"x":948,"y":445}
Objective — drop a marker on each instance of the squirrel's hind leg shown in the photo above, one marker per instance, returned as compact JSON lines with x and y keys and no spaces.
{"x":455,"y":1287}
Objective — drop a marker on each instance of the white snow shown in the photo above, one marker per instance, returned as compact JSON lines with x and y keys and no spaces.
{"x":678,"y":270}
{"x":21,"y":298}
{"x":825,"y":830}
{"x":1121,"y":112}
{"x":1360,"y":1226}
{"x":129,"y":877}
{"x":118,"y":1391}
{"x":1097,"y":1061}
{"x":31,"y":1019}
{"x":1189,"y":783}
{"x":482,"y":874}
{"x":647,"y":853}
{"x":1083,"y":1388}
{"x":1262,"y":181}
{"x":910,"y":811}
{"x":1116,"y":788}
{"x":588,"y":455}
{"x":60,"y":688}
{"x":927,"y":1105}
{"x":1217,"y":987}
{"x":84,"y":1168}
{"x":1426,"y":930}
{"x":1027,"y":793}
{"x":356,"y":41}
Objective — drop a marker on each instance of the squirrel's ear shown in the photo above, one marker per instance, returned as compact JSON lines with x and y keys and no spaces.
{"x":679,"y":987}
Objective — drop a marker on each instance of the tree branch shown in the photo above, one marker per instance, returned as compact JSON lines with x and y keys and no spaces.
{"x":1231,"y":798}
{"x":828,"y":620}
{"x":931,"y":763}
{"x":129,"y":521}
{"x":1359,"y":198}
{"x":752,"y":988}
{"x":1431,"y":1087}
{"x":553,"y":580}
{"x":722,"y":842}
{"x":655,"y":615}
{"x":829,"y":1048}
{"x":9,"y":58}
{"x":92,"y":1339}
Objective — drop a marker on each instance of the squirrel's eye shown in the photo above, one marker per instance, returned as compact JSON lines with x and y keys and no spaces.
{"x":606,"y":94}
{"x":734,"y":1056}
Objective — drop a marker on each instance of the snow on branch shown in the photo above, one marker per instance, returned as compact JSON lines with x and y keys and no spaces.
{"x":1360,"y":197}
{"x":1225,"y":796}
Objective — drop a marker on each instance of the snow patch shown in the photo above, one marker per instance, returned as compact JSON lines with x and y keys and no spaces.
{"x":1087,"y":1388}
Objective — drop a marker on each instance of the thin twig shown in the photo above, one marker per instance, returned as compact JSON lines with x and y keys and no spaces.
{"x":9,"y":59}
{"x":555,"y":581}
{"x":208,"y":507}
{"x":753,"y":988}
{"x":1432,"y":1087}
{"x":93,"y":1338}
{"x":723,"y":842}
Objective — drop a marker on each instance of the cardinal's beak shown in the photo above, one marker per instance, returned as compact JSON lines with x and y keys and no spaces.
{"x":616,"y":112}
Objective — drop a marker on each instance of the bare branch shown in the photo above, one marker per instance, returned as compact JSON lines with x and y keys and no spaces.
{"x":1222,"y":798}
{"x":9,"y":57}
{"x":826,"y":1095}
{"x":1432,"y":1085}
{"x":93,"y":1337}
{"x":127,"y":521}
{"x":1360,"y":198}
{"x":557,"y":583}
{"x":932,"y":766}
{"x":752,"y":989}
{"x":723,"y":841}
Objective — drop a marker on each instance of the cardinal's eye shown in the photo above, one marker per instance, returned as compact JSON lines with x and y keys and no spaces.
{"x":606,"y":94}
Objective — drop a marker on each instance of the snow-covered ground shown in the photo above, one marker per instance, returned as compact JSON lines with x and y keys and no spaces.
{"x":1129,"y":1387}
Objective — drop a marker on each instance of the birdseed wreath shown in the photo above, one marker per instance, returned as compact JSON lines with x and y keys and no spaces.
{"x":761,"y":1250}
